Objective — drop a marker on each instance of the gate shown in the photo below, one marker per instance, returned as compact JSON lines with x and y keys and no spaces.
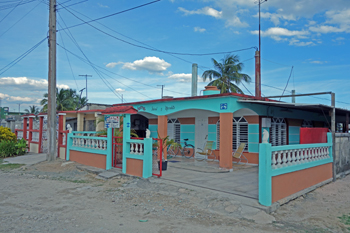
{"x":44,"y":142}
{"x":117,"y":151}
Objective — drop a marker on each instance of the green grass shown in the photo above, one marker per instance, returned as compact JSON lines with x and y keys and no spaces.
{"x":345,"y":218}
{"x":9,"y":166}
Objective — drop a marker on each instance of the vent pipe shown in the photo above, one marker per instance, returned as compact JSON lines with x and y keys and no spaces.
{"x":194,"y":79}
{"x":257,"y":75}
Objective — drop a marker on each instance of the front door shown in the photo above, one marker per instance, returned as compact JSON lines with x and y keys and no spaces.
{"x":201,"y":131}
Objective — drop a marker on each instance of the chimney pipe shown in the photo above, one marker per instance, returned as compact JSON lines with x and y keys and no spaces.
{"x":257,"y":75}
{"x":194,"y":79}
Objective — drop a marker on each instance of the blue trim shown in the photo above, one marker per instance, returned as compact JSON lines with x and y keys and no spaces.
{"x":109,"y":149}
{"x":126,"y":136}
{"x":88,"y":150}
{"x":69,"y":145}
{"x":284,"y":170}
{"x":265,"y":178}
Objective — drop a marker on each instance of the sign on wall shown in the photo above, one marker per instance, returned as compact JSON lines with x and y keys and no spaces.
{"x":112,"y":121}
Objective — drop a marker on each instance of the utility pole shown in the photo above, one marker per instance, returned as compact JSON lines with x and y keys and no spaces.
{"x":258,"y":57}
{"x":19,"y":109}
{"x":86,"y":75}
{"x":51,"y":105}
{"x":122,"y":99}
{"x":162,"y":88}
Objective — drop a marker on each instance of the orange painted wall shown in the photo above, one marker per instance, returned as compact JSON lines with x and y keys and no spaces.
{"x":89,"y":159}
{"x":213,"y":120}
{"x":290,"y":183}
{"x":252,"y":119}
{"x":162,"y":130}
{"x":153,"y":121}
{"x":134,"y":167}
{"x":187,"y":121}
{"x":253,"y":158}
{"x":226,"y":140}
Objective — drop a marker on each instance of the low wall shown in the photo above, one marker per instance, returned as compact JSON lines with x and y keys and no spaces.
{"x":253,"y":158}
{"x":342,"y":153}
{"x":134,"y":167}
{"x":34,"y":147}
{"x":89,"y":159}
{"x":287,"y":184}
{"x":291,"y":170}
{"x":62,"y":154}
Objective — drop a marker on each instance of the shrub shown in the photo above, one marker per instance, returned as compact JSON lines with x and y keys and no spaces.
{"x":6,"y":134}
{"x":12,"y":148}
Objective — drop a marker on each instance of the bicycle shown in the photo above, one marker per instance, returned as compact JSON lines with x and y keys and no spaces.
{"x":187,"y":150}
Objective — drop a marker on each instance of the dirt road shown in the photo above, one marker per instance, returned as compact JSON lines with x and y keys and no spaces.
{"x":56,"y":197}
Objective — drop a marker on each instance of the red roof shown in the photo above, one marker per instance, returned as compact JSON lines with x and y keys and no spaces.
{"x":120,"y":110}
{"x":199,"y":97}
{"x":82,"y":111}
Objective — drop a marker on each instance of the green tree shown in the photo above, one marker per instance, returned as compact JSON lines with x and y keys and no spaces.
{"x":32,"y":110}
{"x":66,"y":99}
{"x":226,"y":75}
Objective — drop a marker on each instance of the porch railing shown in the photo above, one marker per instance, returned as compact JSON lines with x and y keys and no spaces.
{"x":278,"y":160}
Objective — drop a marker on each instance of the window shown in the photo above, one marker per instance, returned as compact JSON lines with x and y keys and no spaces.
{"x":307,"y":124}
{"x":239,"y":133}
{"x":278,"y":132}
{"x":174,"y":129}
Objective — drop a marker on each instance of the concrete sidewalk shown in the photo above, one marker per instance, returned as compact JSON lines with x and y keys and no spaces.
{"x":27,"y":159}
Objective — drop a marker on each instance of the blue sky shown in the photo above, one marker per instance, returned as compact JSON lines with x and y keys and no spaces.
{"x":310,"y":35}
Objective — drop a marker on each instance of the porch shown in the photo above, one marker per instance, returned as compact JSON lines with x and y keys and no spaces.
{"x":242,"y":181}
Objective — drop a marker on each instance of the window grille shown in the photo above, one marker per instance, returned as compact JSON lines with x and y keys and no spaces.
{"x":174,"y":129}
{"x":239,"y":133}
{"x":307,"y":124}
{"x":278,"y":132}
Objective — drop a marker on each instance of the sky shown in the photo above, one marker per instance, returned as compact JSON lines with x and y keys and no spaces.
{"x":129,"y":55}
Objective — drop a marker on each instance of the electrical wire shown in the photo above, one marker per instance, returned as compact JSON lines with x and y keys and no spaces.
{"x":14,"y":5}
{"x":19,"y":19}
{"x":157,"y":50}
{"x":70,"y":66}
{"x":11,"y":11}
{"x":89,"y":62}
{"x":291,"y":71}
{"x":123,"y":11}
{"x":18,"y":59}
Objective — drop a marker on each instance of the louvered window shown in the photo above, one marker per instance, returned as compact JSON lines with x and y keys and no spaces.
{"x":307,"y":124}
{"x":278,"y":132}
{"x":174,"y":129}
{"x":239,"y":133}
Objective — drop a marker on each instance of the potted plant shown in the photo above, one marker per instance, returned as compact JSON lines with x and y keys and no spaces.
{"x":166,"y":142}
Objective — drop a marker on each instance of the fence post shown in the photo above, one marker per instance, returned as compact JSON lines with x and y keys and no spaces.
{"x":41,"y":126}
{"x":147,"y":158}
{"x":69,"y":144}
{"x":126,"y":138}
{"x":25,"y":127}
{"x":109,"y":148}
{"x":265,"y":178}
{"x":30,"y":137}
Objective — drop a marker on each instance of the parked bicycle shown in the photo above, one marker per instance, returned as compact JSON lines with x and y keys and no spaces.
{"x":187,"y":150}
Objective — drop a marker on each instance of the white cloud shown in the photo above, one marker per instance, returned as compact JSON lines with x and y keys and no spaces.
{"x":9,"y":98}
{"x":184,"y":77}
{"x":300,"y":43}
{"x":24,"y":83}
{"x":151,"y":64}
{"x":199,"y":29}
{"x":119,"y":90}
{"x":278,"y":31}
{"x":318,"y":62}
{"x":204,"y":11}
{"x":276,"y":17}
{"x":326,"y":29}
{"x":103,"y":6}
{"x":230,"y":16}
{"x":113,"y":64}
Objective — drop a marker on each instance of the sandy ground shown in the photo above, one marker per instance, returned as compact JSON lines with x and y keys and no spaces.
{"x":56,"y":197}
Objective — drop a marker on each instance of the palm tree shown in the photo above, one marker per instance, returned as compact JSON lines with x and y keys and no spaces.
{"x":32,"y":110}
{"x":226,"y":75}
{"x":65,"y":100}
{"x":80,"y":101}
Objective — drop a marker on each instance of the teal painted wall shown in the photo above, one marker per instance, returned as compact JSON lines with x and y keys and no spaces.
{"x":166,"y":107}
{"x":187,"y":131}
{"x":212,"y":134}
{"x":294,"y":135}
{"x":154,"y":130}
{"x":253,"y":138}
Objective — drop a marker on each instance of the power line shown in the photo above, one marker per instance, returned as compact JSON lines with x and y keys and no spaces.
{"x":18,"y":59}
{"x":89,"y":62}
{"x":11,"y":11}
{"x":14,"y":5}
{"x":133,"y":8}
{"x":291,"y":71}
{"x":275,"y":62}
{"x":157,"y":50}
